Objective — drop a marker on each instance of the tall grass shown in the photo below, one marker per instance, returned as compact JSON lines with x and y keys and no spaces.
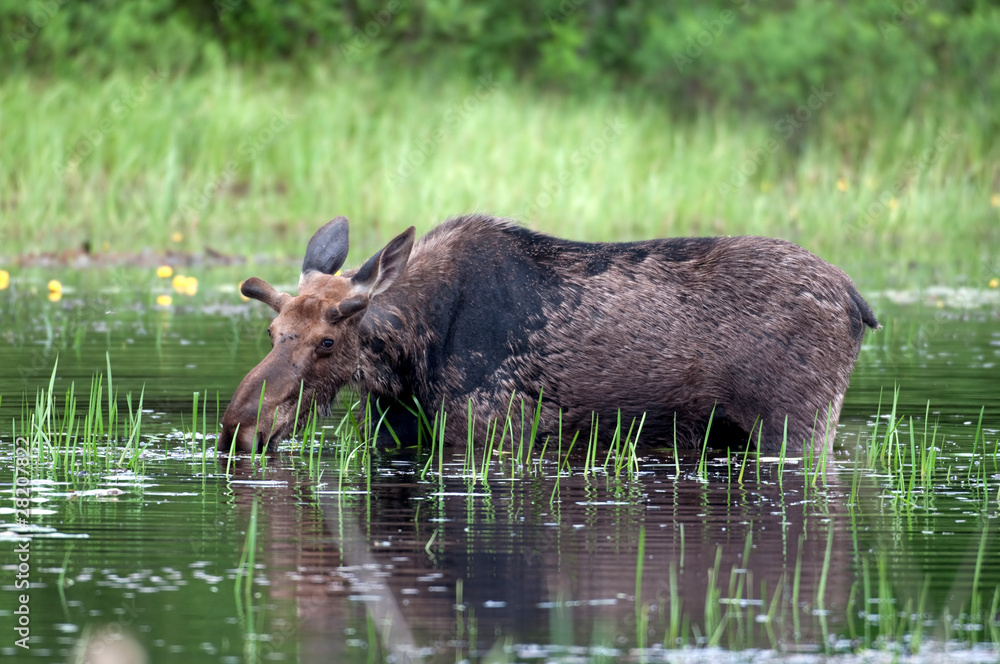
{"x":907,"y":452}
{"x":104,"y":430}
{"x":252,"y":162}
{"x":70,"y":435}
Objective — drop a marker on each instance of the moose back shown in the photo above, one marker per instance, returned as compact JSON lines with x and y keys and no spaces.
{"x":489,"y":319}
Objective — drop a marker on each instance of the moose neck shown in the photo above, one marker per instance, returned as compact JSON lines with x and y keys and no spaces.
{"x":395,"y":336}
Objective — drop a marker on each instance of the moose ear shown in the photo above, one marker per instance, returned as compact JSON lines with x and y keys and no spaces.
{"x":382,"y":269}
{"x":258,"y":289}
{"x":346,"y":308}
{"x":327,"y":249}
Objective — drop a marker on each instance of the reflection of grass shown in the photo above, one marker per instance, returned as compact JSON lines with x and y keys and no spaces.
{"x":188,"y":168}
{"x":641,"y":610}
{"x":880,"y":613}
{"x":739,"y":615}
{"x":243,"y":591}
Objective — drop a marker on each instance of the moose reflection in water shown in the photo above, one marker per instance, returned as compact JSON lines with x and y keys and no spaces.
{"x":440,"y":566}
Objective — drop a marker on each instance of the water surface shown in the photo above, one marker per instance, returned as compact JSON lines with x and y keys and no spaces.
{"x":395,"y":553}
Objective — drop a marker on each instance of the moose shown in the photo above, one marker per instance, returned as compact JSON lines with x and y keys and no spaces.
{"x":748,"y":339}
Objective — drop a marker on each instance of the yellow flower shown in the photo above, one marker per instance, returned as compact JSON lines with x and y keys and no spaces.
{"x":995,"y":200}
{"x":4,"y":279}
{"x":164,"y":300}
{"x":164,"y":272}
{"x":55,"y":291}
{"x":765,"y":186}
{"x":994,"y":283}
{"x":841,"y":184}
{"x":185,"y":285}
{"x":177,"y":237}
{"x":893,"y":203}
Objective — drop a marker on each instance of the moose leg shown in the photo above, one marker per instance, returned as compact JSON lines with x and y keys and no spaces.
{"x":398,"y":424}
{"x":812,"y":423}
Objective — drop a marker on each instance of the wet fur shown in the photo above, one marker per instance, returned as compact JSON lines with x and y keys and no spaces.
{"x":757,"y":329}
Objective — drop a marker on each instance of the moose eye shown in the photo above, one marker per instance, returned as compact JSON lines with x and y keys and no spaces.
{"x":326,"y":344}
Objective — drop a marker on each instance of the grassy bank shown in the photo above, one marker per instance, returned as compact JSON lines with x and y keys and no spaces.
{"x":251,"y":163}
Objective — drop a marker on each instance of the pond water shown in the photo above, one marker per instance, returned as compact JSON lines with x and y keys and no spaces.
{"x":341,"y":552}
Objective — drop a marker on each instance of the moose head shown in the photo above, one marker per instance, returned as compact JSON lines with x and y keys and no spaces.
{"x":315,"y":343}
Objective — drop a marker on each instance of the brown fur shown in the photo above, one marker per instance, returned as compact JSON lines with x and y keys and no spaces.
{"x":746,"y":330}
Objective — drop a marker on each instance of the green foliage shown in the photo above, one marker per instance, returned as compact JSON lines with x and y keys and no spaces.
{"x":252,"y":162}
{"x":854,"y":129}
{"x":764,"y":57}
